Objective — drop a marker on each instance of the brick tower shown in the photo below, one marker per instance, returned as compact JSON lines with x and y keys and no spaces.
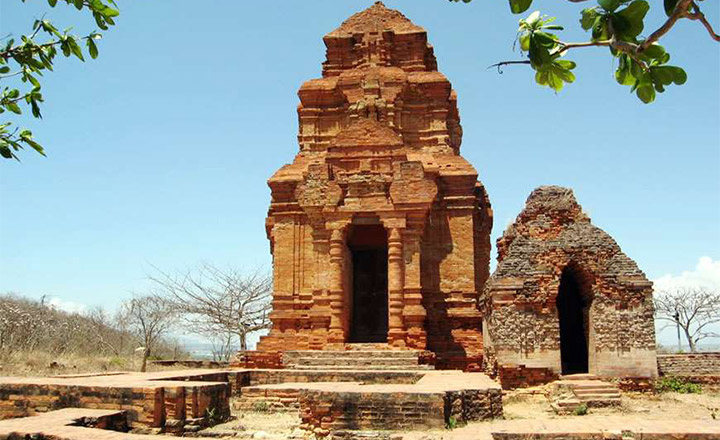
{"x":379,"y":229}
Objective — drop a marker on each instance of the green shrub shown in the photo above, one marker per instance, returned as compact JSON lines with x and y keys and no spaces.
{"x":261,"y":406}
{"x":117,"y":361}
{"x":451,"y":423}
{"x":677,"y":385}
{"x":581,"y":409}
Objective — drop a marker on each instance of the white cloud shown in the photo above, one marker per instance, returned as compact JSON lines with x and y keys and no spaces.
{"x":66,"y":306}
{"x":706,"y":274}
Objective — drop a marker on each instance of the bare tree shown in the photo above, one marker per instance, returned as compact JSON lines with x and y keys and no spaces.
{"x":223,"y":305}
{"x":692,"y":309}
{"x":150,"y":317}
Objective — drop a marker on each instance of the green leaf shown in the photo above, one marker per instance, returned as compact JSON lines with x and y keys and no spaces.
{"x":92,"y":48}
{"x":35,"y":146}
{"x":670,"y":6}
{"x":587,"y":18}
{"x":566,"y":64}
{"x":609,"y":5}
{"x":519,"y":6}
{"x":600,"y":29}
{"x":654,"y":51}
{"x":525,"y":42}
{"x":5,"y":150}
{"x":646,"y":93}
{"x":631,"y":19}
{"x":4,"y":69}
{"x":533,"y":18}
{"x":13,"y":107}
{"x":623,"y":74}
{"x":52,"y":3}
{"x":75,"y":48}
{"x":544,"y":39}
{"x":65,"y":46}
{"x":679,"y":77}
{"x":538,"y":54}
{"x":110,"y":12}
{"x":78,"y":4}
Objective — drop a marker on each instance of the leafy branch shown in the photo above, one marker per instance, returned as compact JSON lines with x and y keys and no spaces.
{"x":29,"y":59}
{"x":616,"y":24}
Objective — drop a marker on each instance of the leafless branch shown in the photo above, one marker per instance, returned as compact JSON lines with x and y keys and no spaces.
{"x":222,"y":304}
{"x":692,"y":309}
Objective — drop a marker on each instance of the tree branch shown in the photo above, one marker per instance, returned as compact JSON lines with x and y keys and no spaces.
{"x":699,"y":16}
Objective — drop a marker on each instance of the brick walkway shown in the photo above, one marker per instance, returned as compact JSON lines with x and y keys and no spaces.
{"x":55,"y":424}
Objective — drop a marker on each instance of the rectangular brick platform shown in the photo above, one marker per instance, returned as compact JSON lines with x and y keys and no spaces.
{"x":151,"y":400}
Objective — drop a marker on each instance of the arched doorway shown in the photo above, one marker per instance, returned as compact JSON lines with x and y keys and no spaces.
{"x":573,"y":306}
{"x":369,"y":252}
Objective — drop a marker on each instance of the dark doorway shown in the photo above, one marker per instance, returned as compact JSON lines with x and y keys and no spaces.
{"x":572,"y":308}
{"x":368,"y":247}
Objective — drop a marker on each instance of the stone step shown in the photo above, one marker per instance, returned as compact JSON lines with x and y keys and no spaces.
{"x":596,"y":390}
{"x":580,"y":376}
{"x":369,"y":346}
{"x":352,"y":354}
{"x":598,"y":397}
{"x":362,"y":367}
{"x":567,"y":403}
{"x":395,"y":362}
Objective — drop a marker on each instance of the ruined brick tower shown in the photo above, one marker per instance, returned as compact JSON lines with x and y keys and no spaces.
{"x":379,"y":229}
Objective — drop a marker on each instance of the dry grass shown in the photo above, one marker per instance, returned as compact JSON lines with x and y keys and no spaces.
{"x":40,"y":363}
{"x":268,"y":425}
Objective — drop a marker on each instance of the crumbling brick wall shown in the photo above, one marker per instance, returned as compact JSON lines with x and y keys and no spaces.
{"x":689,"y":364}
{"x":552,"y":235}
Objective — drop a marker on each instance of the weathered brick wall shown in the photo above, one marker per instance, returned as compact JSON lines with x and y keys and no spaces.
{"x":257,"y":359}
{"x":168,"y":407}
{"x":689,"y":364}
{"x":473,"y":405}
{"x":145,"y":406}
{"x":552,"y":236}
{"x":520,"y":376}
{"x":322,"y":411}
{"x":386,"y":155}
{"x":268,"y":399}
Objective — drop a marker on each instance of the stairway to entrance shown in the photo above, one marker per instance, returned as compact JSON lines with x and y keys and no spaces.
{"x":357,"y":358}
{"x":587,"y":389}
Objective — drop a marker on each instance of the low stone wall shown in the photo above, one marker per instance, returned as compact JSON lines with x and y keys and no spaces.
{"x":190,"y":363}
{"x":520,"y":376}
{"x":473,"y":405}
{"x":268,"y":399}
{"x":258,"y":359}
{"x":325,"y":411}
{"x":265,"y":377}
{"x":144,"y":405}
{"x":168,"y":407}
{"x":689,"y":364}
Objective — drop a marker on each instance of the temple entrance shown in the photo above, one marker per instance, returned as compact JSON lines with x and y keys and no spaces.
{"x":369,"y":253}
{"x":573,"y":308}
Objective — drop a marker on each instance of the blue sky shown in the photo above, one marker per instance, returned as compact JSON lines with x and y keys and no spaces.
{"x":158,"y":151}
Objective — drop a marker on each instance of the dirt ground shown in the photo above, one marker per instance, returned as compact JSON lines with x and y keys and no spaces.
{"x":519,"y":404}
{"x":259,"y":425}
{"x":532,"y":404}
